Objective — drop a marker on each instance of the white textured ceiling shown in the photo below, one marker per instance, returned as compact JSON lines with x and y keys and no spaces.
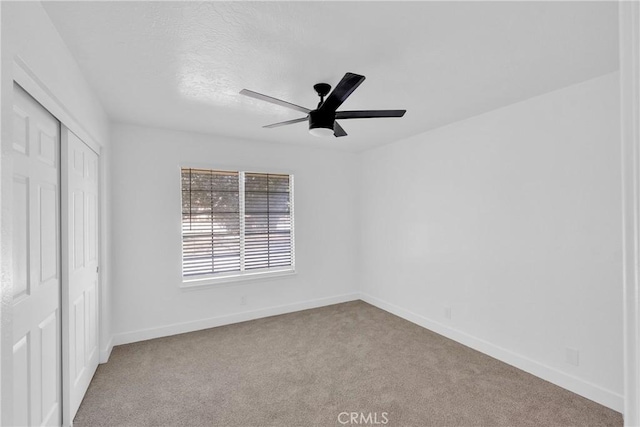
{"x":181,"y":65}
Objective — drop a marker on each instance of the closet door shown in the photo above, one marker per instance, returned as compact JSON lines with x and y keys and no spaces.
{"x":80,"y":268}
{"x":36,"y":258}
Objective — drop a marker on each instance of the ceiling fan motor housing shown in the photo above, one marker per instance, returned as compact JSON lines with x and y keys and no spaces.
{"x":321,"y":119}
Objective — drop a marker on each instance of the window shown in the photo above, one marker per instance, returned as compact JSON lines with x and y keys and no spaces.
{"x":236,"y":224}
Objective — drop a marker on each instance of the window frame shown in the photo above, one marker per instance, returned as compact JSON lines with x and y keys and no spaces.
{"x":234,"y":277}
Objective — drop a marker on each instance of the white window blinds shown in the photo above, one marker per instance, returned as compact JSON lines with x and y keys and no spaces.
{"x":234,"y":222}
{"x":267,"y":214}
{"x":210,"y":222}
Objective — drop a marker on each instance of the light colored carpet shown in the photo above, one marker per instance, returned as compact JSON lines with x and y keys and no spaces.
{"x":305,"y":368}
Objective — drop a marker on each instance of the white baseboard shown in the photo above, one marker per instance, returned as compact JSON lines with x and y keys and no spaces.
{"x":180,"y":328}
{"x":105,"y":353}
{"x":586,"y":389}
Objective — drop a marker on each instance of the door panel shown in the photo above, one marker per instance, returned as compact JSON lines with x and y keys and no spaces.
{"x":91,"y":316}
{"x":20,"y":130}
{"x":77,"y":321}
{"x":47,"y":147}
{"x":20,"y":236}
{"x":78,"y":229}
{"x":80,"y":202}
{"x":48,"y":234}
{"x":50,"y":386}
{"x":92,"y":227}
{"x":21,"y":381}
{"x":36,"y":320}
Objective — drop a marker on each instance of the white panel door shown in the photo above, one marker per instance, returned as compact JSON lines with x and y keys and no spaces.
{"x":36,"y":257}
{"x":80,"y":269}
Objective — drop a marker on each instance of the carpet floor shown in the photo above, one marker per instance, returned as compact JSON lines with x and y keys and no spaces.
{"x":315,"y":368}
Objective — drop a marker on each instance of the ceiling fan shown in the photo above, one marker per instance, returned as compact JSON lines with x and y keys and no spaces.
{"x":322,"y":120}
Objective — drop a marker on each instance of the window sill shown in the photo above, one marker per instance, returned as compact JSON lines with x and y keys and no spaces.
{"x":210,"y":282}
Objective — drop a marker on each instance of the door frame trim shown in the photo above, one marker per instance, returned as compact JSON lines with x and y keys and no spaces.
{"x":26,"y":78}
{"x":629,"y":44}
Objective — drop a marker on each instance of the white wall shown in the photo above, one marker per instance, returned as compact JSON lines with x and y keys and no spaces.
{"x":30,"y":39}
{"x":148,"y":301}
{"x":513,"y":220}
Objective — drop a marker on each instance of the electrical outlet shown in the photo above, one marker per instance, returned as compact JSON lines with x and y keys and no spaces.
{"x":243,"y":300}
{"x":572,"y":356}
{"x":447,"y":312}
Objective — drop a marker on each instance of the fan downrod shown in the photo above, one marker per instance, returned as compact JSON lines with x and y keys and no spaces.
{"x":323,"y":90}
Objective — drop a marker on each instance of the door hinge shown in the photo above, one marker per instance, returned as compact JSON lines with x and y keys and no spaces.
{"x":97,"y":269}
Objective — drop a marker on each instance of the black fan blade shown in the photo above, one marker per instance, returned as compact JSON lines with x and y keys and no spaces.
{"x":288,"y":122}
{"x":338,"y":131}
{"x":272,"y":100}
{"x":369,"y":114}
{"x":341,"y":92}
